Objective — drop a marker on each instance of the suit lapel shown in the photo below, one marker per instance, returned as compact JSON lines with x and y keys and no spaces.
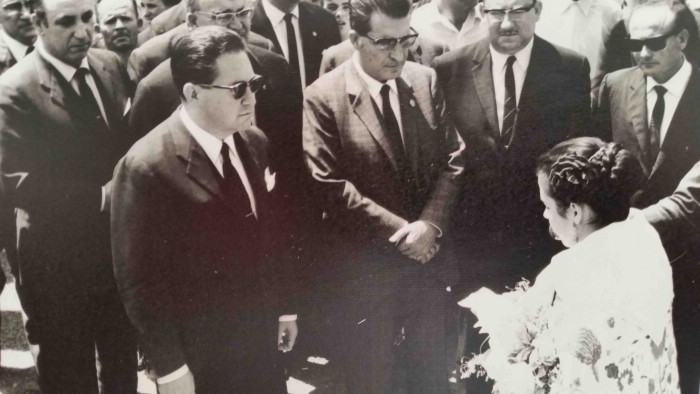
{"x":261,"y":24}
{"x":410,"y":117}
{"x":364,"y":108}
{"x":106,"y":88}
{"x":48,"y":80}
{"x":483,"y":81}
{"x":637,"y":108}
{"x":686,"y":114}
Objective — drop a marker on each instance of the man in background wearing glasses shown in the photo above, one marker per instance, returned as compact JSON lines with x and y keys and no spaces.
{"x":511,"y":96}
{"x":193,"y":232}
{"x":652,"y":110}
{"x":385,"y":165}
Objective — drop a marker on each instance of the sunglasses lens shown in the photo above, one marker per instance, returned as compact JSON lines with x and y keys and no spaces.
{"x":239,"y":89}
{"x":256,"y":83}
{"x":656,"y":44}
{"x":635,"y":45}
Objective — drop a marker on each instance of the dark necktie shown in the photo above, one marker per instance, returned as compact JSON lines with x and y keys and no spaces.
{"x":294,"y":72}
{"x":259,"y":189}
{"x":657,"y":116}
{"x":392,"y":126}
{"x":30,"y":49}
{"x":90,"y":109}
{"x":233,"y":185}
{"x":509,"y":105}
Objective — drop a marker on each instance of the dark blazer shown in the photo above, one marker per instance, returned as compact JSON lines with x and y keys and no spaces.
{"x":53,"y":165}
{"x":500,"y":198}
{"x":6,"y":216}
{"x":621,"y":116}
{"x":423,"y":51}
{"x":192,"y":255}
{"x":318,"y":27}
{"x":355,"y":169}
{"x":148,"y":56}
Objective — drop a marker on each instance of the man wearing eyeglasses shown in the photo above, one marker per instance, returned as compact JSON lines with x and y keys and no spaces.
{"x":385,"y":165}
{"x":61,"y":133}
{"x":652,"y":110}
{"x":511,"y":96}
{"x":198,"y":269}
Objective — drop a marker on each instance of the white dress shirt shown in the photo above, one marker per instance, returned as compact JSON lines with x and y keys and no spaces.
{"x":583,"y":26}
{"x":212,"y":147}
{"x":276,"y":18}
{"x":498,"y":71}
{"x":375,"y":88}
{"x":429,"y":22}
{"x":17,"y":49}
{"x":675,"y":86}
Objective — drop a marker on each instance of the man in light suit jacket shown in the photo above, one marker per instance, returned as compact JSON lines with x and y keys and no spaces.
{"x":385,"y":165}
{"x":61,"y":133}
{"x":652,"y":110}
{"x":423,"y":51}
{"x":511,"y":96}
{"x":315,"y":29}
{"x":199,"y":270}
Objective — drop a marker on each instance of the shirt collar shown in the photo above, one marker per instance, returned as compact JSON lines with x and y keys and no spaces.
{"x":275,"y":15}
{"x":677,"y":83}
{"x":17,"y":49}
{"x":522,"y":57}
{"x":210,"y":144}
{"x":373,"y":85}
{"x":66,"y":70}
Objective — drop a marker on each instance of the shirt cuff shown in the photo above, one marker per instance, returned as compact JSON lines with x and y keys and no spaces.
{"x":436,"y":227}
{"x":173,"y":376}
{"x":102,"y":204}
{"x":288,"y":318}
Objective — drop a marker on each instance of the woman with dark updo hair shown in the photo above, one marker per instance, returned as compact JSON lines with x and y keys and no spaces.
{"x":598,"y":318}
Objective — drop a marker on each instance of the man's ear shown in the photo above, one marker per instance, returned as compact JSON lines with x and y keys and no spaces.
{"x":191,"y":19}
{"x":190,"y":92}
{"x":683,"y":37}
{"x":538,"y":9}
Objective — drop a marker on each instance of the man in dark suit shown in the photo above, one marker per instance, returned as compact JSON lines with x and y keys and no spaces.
{"x":652,"y":110}
{"x":311,"y":28}
{"x":61,"y":133}
{"x":198,"y":271}
{"x":17,"y":38}
{"x":423,"y":51}
{"x":385,"y":166}
{"x":512,"y":96}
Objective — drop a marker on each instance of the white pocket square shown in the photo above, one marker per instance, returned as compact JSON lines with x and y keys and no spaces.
{"x":269,"y":179}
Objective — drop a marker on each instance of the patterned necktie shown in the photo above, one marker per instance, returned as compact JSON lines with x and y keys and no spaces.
{"x":90,"y":108}
{"x":233,"y":185}
{"x":294,"y":72}
{"x":657,"y":116}
{"x":509,"y":105}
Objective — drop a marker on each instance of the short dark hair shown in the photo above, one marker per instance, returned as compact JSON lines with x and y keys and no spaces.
{"x":194,"y":55}
{"x":97,"y":12}
{"x":587,"y":170}
{"x":171,"y":3}
{"x":361,"y":11}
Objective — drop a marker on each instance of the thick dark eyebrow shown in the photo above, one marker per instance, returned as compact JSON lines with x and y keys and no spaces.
{"x":65,"y":20}
{"x":86,"y":16}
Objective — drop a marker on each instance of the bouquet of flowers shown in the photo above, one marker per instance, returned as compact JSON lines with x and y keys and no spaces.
{"x":522,"y":355}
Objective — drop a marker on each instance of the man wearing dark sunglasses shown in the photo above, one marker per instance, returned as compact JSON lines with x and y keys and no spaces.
{"x":653,"y":110}
{"x":198,"y":270}
{"x":385,"y":164}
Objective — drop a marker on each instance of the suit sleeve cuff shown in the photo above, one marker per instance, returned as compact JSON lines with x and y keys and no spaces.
{"x":173,"y":376}
{"x":288,"y":318}
{"x":436,"y":227}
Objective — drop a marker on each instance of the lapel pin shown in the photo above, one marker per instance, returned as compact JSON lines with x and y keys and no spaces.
{"x":313,"y":33}
{"x":412,"y":103}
